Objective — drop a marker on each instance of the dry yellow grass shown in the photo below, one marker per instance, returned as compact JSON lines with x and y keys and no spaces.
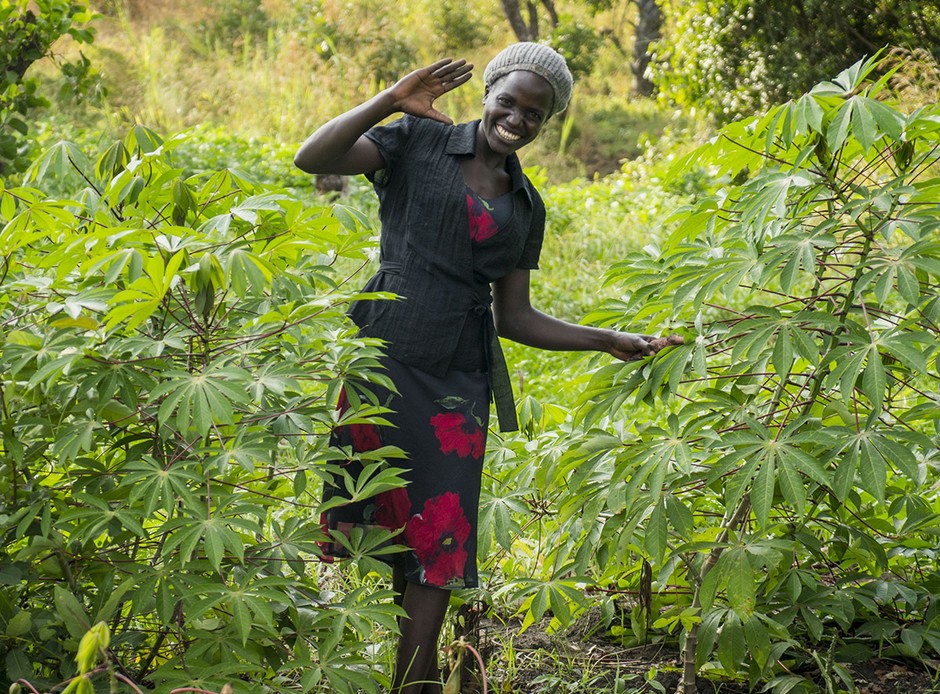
{"x":166,"y":64}
{"x":164,"y":68}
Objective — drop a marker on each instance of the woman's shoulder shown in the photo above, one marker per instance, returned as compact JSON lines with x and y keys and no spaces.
{"x":411,"y":128}
{"x":428,"y":135}
{"x":428,"y":127}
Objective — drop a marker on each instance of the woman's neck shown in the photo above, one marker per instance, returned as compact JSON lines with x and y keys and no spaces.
{"x":487,"y":176}
{"x":486,"y":157}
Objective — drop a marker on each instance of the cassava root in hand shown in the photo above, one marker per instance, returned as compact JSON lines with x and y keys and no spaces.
{"x":658,"y":343}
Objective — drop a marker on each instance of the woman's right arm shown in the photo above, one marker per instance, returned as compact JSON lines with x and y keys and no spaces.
{"x":340,"y":147}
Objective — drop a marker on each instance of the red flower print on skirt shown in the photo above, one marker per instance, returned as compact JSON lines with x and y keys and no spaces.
{"x":438,"y":535}
{"x":392,"y":508}
{"x":365,"y":437}
{"x":459,"y":433}
{"x":482,"y":224}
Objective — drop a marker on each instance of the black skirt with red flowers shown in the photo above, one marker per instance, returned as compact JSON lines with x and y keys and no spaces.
{"x":441,"y":424}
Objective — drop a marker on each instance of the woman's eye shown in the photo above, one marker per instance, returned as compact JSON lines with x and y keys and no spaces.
{"x":503,"y":101}
{"x":535,"y":117}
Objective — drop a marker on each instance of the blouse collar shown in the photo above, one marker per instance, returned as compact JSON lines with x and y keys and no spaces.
{"x":462,"y":142}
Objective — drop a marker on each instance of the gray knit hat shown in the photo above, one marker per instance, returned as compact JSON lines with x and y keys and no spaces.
{"x":538,"y":58}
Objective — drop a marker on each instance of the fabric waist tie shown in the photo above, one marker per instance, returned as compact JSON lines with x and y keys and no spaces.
{"x":497,"y":371}
{"x":500,"y":384}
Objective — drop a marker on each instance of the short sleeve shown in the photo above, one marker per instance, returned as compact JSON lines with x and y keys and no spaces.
{"x":529,"y":260}
{"x":392,"y":141}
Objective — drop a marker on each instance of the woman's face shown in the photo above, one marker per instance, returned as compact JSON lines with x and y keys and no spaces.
{"x":515,"y":108}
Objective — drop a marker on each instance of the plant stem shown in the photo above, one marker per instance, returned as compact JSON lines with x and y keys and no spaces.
{"x":687,"y":683}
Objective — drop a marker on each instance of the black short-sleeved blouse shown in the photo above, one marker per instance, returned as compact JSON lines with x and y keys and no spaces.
{"x":425,"y":247}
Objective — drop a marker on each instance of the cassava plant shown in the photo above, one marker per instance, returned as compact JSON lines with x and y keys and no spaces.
{"x":786,"y":489}
{"x":171,"y":349}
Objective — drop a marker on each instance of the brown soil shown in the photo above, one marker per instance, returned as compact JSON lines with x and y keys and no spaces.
{"x":590,"y":661}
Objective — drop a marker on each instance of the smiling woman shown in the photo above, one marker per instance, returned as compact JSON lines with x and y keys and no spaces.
{"x":462,"y":227}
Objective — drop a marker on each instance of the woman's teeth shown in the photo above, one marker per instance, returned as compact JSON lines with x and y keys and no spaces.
{"x":506,"y":135}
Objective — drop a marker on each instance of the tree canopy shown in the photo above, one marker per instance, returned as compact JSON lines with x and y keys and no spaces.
{"x":735,"y":56}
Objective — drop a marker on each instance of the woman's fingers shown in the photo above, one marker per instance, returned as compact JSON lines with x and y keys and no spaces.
{"x":442,"y":63}
{"x":442,"y":68}
{"x":451,"y":75}
{"x":456,"y":81}
{"x":629,"y":346}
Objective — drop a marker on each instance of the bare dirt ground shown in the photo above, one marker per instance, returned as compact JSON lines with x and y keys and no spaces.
{"x":536,"y":662}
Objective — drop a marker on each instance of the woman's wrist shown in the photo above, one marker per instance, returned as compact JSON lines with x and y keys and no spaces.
{"x":385,"y":102}
{"x":609,"y":338}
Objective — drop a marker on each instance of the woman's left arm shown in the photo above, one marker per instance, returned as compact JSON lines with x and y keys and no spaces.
{"x":517,"y":320}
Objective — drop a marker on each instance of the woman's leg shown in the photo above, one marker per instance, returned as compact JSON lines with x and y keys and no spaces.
{"x":416,"y":662}
{"x":398,"y":585}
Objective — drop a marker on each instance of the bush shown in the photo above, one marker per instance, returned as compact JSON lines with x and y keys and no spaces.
{"x":171,"y":348}
{"x":785,"y":492}
{"x":26,"y":37}
{"x":237,"y":22}
{"x":739,"y":56}
{"x":460,"y":26}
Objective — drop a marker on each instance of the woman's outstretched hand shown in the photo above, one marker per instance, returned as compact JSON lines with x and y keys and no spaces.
{"x":415,"y":92}
{"x":630,"y":346}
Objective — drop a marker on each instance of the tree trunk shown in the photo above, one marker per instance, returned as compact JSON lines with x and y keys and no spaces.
{"x":648,"y":29}
{"x":533,"y":21}
{"x":518,"y":24}
{"x":552,"y":12}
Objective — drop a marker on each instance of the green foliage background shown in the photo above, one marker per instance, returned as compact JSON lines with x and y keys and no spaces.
{"x":732,"y":58}
{"x":172,"y":342}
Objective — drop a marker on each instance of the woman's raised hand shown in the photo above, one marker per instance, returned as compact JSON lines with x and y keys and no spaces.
{"x":415,"y":92}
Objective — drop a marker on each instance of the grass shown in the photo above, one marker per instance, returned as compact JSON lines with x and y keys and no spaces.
{"x":278,"y":69}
